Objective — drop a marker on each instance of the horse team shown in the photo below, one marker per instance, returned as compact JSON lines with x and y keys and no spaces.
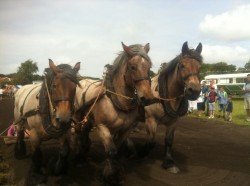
{"x":67,"y":109}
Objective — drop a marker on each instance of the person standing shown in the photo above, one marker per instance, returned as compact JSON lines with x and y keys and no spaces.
{"x":204,"y":91}
{"x":223,"y":100}
{"x":1,"y":93}
{"x":200,"y":104}
{"x":212,"y":95}
{"x":229,"y":109}
{"x":246,"y":90}
{"x":213,"y":84}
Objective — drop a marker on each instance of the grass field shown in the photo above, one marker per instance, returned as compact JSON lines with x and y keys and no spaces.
{"x":239,"y":113}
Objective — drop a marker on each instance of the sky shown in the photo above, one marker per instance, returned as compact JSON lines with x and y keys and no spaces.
{"x":91,"y":31}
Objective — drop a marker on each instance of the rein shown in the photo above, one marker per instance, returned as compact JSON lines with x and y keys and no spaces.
{"x":125,"y":97}
{"x":52,"y":109}
{"x":85,"y":119}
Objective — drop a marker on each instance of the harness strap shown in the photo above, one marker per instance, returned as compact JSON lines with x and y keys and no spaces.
{"x":61,"y":98}
{"x":21,"y":109}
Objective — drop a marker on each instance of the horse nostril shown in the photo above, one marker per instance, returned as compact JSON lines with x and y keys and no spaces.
{"x":190,"y":90}
{"x":143,"y":99}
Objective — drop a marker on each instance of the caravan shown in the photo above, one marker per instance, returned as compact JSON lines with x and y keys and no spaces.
{"x":232,"y":83}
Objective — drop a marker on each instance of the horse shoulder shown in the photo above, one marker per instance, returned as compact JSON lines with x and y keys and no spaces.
{"x":154,"y":110}
{"x":26,"y":97}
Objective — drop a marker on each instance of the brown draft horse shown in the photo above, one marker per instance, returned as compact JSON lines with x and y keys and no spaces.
{"x":125,"y":87}
{"x":46,"y":109}
{"x":176,"y":83}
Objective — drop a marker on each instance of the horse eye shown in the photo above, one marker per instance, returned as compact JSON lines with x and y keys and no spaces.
{"x":132,"y":67}
{"x":182,"y":67}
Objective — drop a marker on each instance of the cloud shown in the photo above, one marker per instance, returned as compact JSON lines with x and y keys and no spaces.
{"x":237,"y":55}
{"x":230,"y":26}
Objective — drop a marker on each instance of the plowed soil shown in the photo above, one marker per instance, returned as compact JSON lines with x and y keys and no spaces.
{"x":208,"y":152}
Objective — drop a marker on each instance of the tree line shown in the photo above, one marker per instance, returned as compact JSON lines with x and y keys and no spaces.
{"x":27,"y":72}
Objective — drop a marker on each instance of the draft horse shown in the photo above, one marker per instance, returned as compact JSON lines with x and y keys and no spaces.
{"x":46,"y":110}
{"x":176,"y":83}
{"x":125,"y":87}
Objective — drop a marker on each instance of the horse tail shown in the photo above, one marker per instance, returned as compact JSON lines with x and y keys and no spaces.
{"x":20,"y":147}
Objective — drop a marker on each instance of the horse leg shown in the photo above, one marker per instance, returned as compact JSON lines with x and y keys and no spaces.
{"x":125,"y":145}
{"x":20,"y":147}
{"x":59,"y":165}
{"x":168,"y":162}
{"x":37,"y":176}
{"x":151,"y":127}
{"x":112,"y":174}
{"x":80,"y":143}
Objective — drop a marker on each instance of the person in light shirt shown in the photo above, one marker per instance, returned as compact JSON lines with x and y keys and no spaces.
{"x":246,"y":90}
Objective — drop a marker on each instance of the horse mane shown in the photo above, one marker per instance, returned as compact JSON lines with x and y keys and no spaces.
{"x":122,"y":57}
{"x":169,"y":67}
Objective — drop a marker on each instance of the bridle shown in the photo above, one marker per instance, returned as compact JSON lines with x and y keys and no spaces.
{"x":187,"y":75}
{"x":135,"y":80}
{"x":54,"y":100}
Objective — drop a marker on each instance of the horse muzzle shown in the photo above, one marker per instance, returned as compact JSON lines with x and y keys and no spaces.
{"x":192,"y":94}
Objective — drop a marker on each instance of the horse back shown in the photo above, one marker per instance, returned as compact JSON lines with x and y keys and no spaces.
{"x":87,"y":92}
{"x":26,"y":99}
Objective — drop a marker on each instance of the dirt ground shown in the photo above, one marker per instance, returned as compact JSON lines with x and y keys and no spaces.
{"x":206,"y":151}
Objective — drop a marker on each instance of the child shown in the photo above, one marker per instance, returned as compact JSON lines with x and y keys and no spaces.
{"x":212,"y":96}
{"x":12,"y":130}
{"x":229,"y":109}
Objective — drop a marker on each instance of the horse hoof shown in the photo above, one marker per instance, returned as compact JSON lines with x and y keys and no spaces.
{"x":112,"y":175}
{"x":172,"y":169}
{"x":37,"y":179}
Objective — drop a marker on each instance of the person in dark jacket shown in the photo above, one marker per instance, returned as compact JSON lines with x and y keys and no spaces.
{"x":229,"y":109}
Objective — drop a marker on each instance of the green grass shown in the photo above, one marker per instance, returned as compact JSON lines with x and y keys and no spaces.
{"x":239,"y":113}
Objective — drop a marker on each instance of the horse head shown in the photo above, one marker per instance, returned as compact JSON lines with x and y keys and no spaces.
{"x":137,"y":71}
{"x":189,"y":68}
{"x":62,"y":89}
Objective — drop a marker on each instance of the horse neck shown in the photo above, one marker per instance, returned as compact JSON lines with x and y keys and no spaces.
{"x":121,"y":88}
{"x":174,"y":84}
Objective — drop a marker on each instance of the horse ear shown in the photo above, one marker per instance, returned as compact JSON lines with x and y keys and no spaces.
{"x":127,"y":49}
{"x":147,"y":47}
{"x":199,"y":48}
{"x":52,"y":66}
{"x":77,"y":66}
{"x":185,"y":48}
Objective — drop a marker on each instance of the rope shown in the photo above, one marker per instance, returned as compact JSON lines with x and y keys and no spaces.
{"x":166,"y":99}
{"x":126,"y":97}
{"x":169,"y":99}
{"x":5,"y":130}
{"x":85,"y":119}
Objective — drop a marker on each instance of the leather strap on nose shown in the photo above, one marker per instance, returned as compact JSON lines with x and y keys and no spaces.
{"x":61,"y":98}
{"x":141,"y":79}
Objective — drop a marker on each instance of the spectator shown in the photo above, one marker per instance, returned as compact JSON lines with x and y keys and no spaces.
{"x":191,"y":106}
{"x":200,"y":104}
{"x":223,"y":100}
{"x":13,"y":132}
{"x":212,"y":84}
{"x":229,"y":109}
{"x":1,"y":94}
{"x":212,"y":95}
{"x":246,"y":89}
{"x":204,"y":90}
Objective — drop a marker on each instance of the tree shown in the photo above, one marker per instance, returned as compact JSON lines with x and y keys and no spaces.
{"x":26,"y":72}
{"x":247,"y":65}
